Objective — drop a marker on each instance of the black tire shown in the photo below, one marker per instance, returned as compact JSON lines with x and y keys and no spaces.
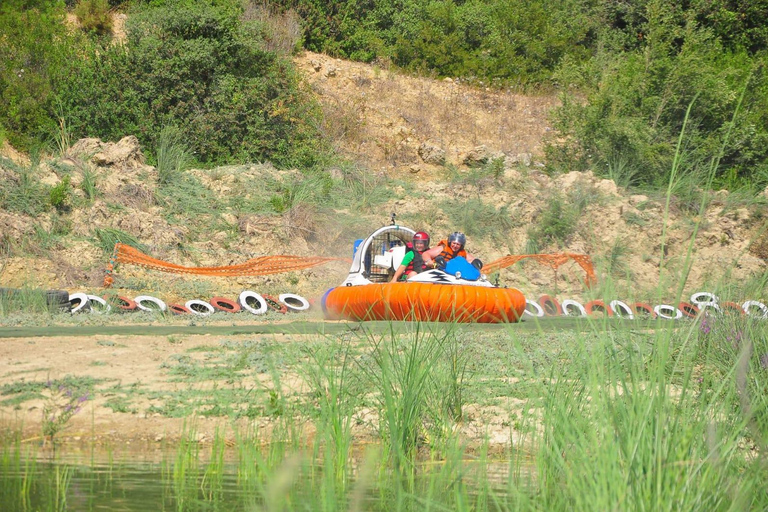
{"x":58,"y":299}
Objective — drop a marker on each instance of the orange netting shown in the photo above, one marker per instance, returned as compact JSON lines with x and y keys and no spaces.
{"x":260,"y":266}
{"x":553,"y":260}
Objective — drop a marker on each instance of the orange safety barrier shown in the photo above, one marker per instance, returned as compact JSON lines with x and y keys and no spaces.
{"x":553,"y":260}
{"x":261,"y":266}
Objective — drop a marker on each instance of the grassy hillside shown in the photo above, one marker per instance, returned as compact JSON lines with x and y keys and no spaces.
{"x":322,"y":150}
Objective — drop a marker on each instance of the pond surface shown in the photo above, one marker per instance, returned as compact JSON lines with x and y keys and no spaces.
{"x":69,"y":483}
{"x":117,"y":487}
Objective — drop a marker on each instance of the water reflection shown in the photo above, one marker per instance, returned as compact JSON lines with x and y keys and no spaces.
{"x":70,"y":483}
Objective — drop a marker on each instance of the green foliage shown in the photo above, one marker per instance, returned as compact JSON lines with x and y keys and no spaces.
{"x":36,"y":48}
{"x":554,"y":224}
{"x":172,"y":158}
{"x":637,"y":103}
{"x":505,"y":41}
{"x":21,"y":191}
{"x":94,"y":16}
{"x":60,"y":194}
{"x":106,"y":238}
{"x":217,"y":69}
{"x":203,"y":67}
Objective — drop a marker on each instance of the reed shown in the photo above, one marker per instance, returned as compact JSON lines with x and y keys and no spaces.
{"x":668,"y":417}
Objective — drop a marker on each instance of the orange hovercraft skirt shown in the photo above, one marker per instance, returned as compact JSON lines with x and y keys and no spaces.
{"x":424,"y":302}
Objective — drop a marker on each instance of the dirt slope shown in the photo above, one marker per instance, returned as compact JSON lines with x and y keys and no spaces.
{"x":432,"y":138}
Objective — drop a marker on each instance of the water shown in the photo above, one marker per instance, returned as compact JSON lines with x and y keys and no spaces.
{"x":129,"y":487}
{"x":189,"y":485}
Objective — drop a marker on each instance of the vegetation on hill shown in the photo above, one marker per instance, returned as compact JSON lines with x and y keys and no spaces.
{"x":628,"y":71}
{"x":630,"y":75}
{"x":204,"y":67}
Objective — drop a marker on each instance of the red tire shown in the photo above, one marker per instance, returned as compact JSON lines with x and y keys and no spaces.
{"x":641,"y":308}
{"x":178,"y":309}
{"x":597,"y":305}
{"x":688,"y":309}
{"x":275,"y":305}
{"x":124,"y":303}
{"x":550,"y":306}
{"x":224,"y":304}
{"x":731,"y":307}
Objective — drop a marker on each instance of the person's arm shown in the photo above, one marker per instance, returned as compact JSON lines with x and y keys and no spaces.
{"x":407,"y":259}
{"x":398,"y":273}
{"x":475,"y":262}
{"x":430,"y":254}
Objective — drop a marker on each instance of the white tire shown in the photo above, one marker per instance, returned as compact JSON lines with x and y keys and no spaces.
{"x":142,"y":300}
{"x":249,"y":296}
{"x":621,"y":309}
{"x":199,"y":307}
{"x":535,"y":305}
{"x":103,"y":306}
{"x":759,"y":305}
{"x":668,"y":312}
{"x":294,"y":302}
{"x":572,"y":304}
{"x":79,"y":302}
{"x":706,"y":300}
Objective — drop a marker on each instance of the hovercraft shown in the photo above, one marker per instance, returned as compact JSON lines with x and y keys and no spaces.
{"x":458,"y":293}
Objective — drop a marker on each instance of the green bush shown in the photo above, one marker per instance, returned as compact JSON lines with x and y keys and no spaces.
{"x":94,"y":16}
{"x":60,"y":194}
{"x":203,"y":67}
{"x":554,"y":224}
{"x":506,"y":41}
{"x":637,"y":104}
{"x":36,"y":47}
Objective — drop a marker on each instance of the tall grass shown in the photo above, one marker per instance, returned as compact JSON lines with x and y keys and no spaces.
{"x":401,"y":372}
{"x":329,"y":373}
{"x":172,"y":157}
{"x":672,"y":417}
{"x":637,"y":430}
{"x":106,"y":238}
{"x":27,"y":300}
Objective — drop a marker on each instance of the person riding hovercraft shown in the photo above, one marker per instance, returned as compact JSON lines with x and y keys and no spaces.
{"x":413,"y":261}
{"x":449,"y":249}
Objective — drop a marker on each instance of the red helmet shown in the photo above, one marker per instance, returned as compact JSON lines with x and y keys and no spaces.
{"x":421,"y":237}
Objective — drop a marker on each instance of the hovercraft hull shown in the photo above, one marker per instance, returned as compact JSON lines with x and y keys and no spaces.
{"x":424,"y":302}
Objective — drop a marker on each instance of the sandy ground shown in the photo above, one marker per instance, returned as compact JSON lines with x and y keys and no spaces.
{"x":117,"y":359}
{"x":128,"y":360}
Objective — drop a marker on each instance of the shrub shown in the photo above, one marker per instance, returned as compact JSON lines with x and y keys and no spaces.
{"x":198,"y":66}
{"x":637,"y":102}
{"x":60,"y":194}
{"x":556,"y":223}
{"x":94,"y":16}
{"x":172,"y":158}
{"x":36,"y":49}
